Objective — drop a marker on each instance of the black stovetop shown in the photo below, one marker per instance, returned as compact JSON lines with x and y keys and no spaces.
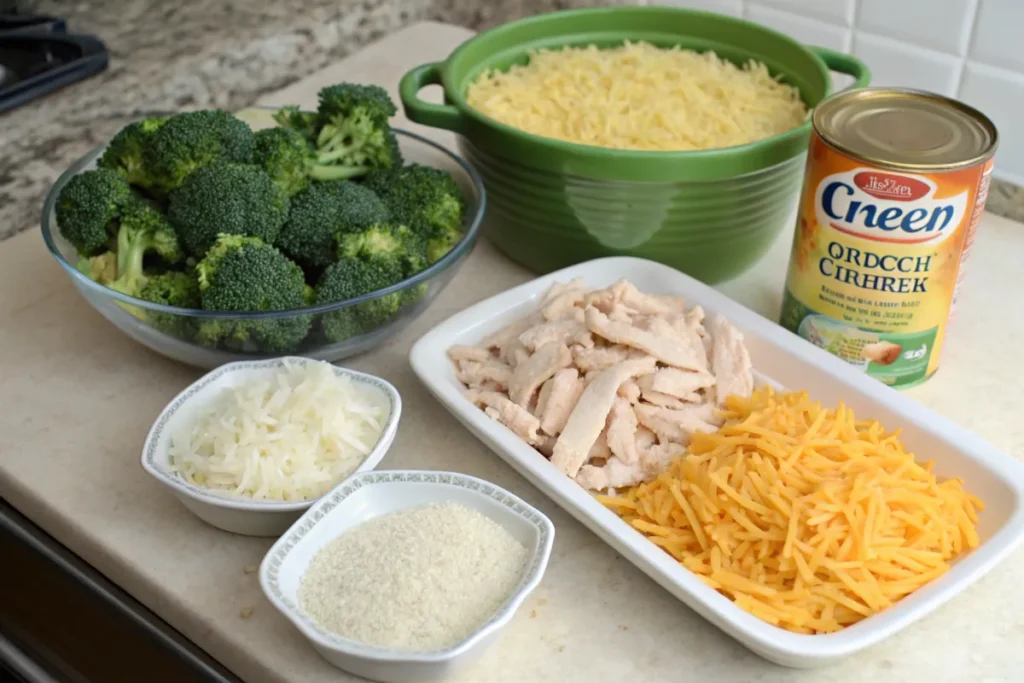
{"x":38,"y":55}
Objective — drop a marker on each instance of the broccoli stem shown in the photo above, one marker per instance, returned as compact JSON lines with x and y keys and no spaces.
{"x":130,"y":277}
{"x":132,"y":248}
{"x":337,"y":153}
{"x":124,"y":248}
{"x":326,"y":134}
{"x":336,"y":172}
{"x":348,"y":142}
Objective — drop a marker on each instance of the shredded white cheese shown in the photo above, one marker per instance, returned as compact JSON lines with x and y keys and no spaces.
{"x":291,"y":438}
{"x":421,"y":579}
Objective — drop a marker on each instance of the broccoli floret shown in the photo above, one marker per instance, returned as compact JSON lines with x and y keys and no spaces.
{"x":234,"y":199}
{"x":286,"y":156}
{"x":440,"y":242}
{"x":125,"y":153}
{"x":349,"y":278}
{"x":421,"y":196}
{"x":322,"y":212}
{"x":89,"y":207}
{"x":245,"y":274}
{"x":396,"y":151}
{"x":114,"y":229}
{"x":101,"y":268}
{"x":302,"y":122}
{"x":143,"y":230}
{"x":353,"y":135}
{"x":349,"y":133}
{"x":190,"y":141}
{"x":388,"y":242}
{"x":172,"y":289}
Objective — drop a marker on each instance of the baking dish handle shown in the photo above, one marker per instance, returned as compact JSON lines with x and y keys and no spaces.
{"x":435,"y":115}
{"x":844,"y":64}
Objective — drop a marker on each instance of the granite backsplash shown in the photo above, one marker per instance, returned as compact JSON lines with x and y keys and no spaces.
{"x":217,"y":53}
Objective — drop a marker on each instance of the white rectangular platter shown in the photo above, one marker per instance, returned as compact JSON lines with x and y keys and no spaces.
{"x":784,"y":359}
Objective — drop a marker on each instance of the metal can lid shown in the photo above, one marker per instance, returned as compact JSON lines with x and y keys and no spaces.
{"x":904,"y":129}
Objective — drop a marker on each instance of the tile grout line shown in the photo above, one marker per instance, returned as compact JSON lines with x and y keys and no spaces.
{"x":971,"y":35}
{"x":854,"y":18}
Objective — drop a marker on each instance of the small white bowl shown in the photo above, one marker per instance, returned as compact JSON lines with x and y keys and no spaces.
{"x":232,"y":513}
{"x":369,"y":495}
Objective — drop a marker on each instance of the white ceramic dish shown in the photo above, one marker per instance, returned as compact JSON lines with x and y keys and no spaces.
{"x":371,"y":494}
{"x":242,"y":515}
{"x":787,"y":360}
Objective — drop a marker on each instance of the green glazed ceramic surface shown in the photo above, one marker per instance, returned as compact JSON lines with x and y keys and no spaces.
{"x":552,"y":203}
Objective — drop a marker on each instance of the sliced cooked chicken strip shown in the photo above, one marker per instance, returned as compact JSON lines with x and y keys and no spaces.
{"x":565,"y":390}
{"x":537,"y":369}
{"x":616,"y":473}
{"x":600,"y":448}
{"x":471,"y":373}
{"x":590,"y":414}
{"x":645,"y":438}
{"x":694,"y":319}
{"x":730,"y":360}
{"x":630,"y":391}
{"x":687,"y":336}
{"x":515,"y":417}
{"x":647,"y":304}
{"x":564,"y":305}
{"x":513,"y":353}
{"x":658,"y":457}
{"x":677,"y":425}
{"x":466,"y":352}
{"x":511,"y":331}
{"x":568,"y":331}
{"x":682,"y":384}
{"x":622,"y":425}
{"x":544,"y":396}
{"x":621,"y":313}
{"x":546,"y":444}
{"x":559,"y":288}
{"x":600,"y":358}
{"x":665,"y":401}
{"x":613,"y":474}
{"x":666,"y":348}
{"x":602,"y":299}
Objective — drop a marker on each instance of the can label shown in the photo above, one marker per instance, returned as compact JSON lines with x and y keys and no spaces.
{"x":877,"y":261}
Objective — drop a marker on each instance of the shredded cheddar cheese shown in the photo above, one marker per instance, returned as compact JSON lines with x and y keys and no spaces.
{"x":804,"y":516}
{"x":639,"y":96}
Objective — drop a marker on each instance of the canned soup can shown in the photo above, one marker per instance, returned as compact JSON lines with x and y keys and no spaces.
{"x":895,"y":186}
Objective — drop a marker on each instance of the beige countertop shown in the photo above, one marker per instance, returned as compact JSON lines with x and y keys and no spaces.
{"x":77,"y":399}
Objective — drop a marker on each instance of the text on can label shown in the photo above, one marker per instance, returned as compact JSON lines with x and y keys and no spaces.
{"x":887,"y":207}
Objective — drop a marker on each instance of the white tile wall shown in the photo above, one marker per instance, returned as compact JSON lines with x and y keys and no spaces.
{"x":969,"y":49}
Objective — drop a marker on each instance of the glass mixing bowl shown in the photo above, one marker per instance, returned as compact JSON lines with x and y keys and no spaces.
{"x":325,"y":332}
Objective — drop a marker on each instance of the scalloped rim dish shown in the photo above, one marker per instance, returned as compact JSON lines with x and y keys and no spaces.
{"x":155,"y":449}
{"x":435,"y":486}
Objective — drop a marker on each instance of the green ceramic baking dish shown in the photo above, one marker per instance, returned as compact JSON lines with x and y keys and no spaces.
{"x":551,"y":203}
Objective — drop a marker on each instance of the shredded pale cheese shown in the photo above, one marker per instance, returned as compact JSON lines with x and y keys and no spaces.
{"x":638,"y":96}
{"x":804,"y":516}
{"x":291,"y":438}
